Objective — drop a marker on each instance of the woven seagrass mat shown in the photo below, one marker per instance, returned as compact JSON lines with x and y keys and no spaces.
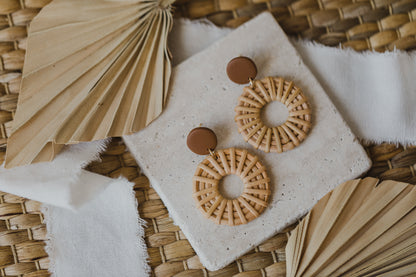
{"x":361,"y":24}
{"x":377,"y":24}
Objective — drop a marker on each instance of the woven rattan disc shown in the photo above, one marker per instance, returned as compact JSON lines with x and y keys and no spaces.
{"x":249,"y":205}
{"x":273,"y":139}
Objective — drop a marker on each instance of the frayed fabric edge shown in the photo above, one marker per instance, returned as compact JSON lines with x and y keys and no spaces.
{"x":50,"y":239}
{"x":140,"y":243}
{"x":140,"y":232}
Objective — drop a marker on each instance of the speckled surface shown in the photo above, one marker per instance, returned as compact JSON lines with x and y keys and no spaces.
{"x":201,"y":93}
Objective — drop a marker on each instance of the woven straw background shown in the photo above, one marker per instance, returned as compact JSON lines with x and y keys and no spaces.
{"x":360,"y":24}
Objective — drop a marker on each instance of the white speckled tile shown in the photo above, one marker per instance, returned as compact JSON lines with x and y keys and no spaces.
{"x":201,"y":93}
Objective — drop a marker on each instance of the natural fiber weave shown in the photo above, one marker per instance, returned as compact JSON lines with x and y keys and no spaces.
{"x":246,"y":207}
{"x":21,"y":231}
{"x":22,"y":236}
{"x":273,"y":139}
{"x":364,"y":24}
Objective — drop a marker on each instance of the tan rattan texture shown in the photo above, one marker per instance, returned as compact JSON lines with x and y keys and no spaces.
{"x":246,"y":207}
{"x":170,"y":253}
{"x":22,"y":232}
{"x":273,"y":138}
{"x":22,"y":238}
{"x":360,"y":24}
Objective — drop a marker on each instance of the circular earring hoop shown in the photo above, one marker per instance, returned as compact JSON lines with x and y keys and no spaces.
{"x":241,"y":210}
{"x":273,"y":139}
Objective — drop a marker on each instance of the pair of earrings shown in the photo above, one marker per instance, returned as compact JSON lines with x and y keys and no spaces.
{"x":220,"y":163}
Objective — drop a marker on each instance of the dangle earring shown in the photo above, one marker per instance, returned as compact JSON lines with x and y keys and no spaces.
{"x":259,"y":93}
{"x":218,"y":164}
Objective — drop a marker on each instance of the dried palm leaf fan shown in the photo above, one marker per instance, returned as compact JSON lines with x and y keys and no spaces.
{"x":93,"y":69}
{"x":358,"y":229}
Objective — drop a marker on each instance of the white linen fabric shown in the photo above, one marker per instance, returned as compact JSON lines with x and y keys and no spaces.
{"x":61,"y":182}
{"x":375,"y":92}
{"x":93,"y":226}
{"x":102,"y":238}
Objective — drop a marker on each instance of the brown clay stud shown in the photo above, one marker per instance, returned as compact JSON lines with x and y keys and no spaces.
{"x":201,"y":140}
{"x":241,"y":69}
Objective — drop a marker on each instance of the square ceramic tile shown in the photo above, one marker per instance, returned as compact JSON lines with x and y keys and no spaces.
{"x":201,"y":92}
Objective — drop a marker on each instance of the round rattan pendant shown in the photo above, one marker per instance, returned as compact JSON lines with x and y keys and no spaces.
{"x":273,"y":139}
{"x":249,"y":205}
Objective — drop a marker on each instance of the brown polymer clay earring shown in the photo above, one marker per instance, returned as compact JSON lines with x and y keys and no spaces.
{"x":218,"y":164}
{"x":242,"y":70}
